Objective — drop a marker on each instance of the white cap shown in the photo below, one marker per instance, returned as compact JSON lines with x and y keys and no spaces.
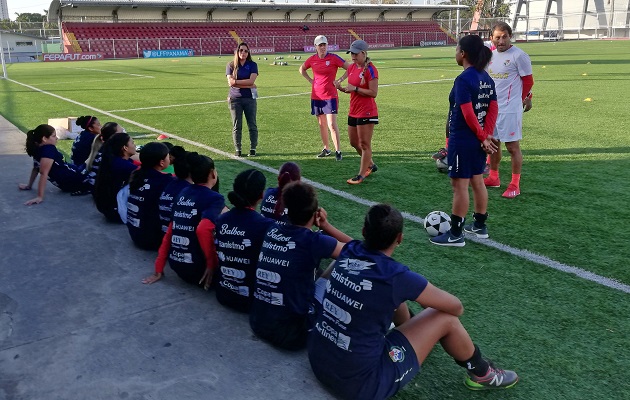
{"x":320,"y":39}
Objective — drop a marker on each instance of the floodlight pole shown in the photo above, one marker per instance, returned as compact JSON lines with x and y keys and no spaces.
{"x":4,"y":65}
{"x":458,"y":21}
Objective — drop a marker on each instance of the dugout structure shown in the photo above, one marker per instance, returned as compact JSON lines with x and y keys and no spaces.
{"x":128,"y":28}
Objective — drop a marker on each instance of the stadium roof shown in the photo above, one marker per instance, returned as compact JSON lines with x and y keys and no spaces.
{"x":56,"y":5}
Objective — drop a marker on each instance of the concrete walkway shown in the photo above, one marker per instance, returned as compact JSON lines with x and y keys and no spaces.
{"x":77,"y":323}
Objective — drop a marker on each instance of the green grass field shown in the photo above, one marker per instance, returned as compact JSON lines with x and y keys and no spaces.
{"x":564,"y":335}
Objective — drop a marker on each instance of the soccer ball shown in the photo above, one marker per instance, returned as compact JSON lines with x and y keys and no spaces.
{"x":437,"y":223}
{"x":442,"y":165}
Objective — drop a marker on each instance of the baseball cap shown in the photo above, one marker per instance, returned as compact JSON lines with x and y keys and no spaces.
{"x":358,"y":46}
{"x":320,"y":39}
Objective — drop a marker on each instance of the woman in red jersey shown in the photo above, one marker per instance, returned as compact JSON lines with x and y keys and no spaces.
{"x":363,"y":114}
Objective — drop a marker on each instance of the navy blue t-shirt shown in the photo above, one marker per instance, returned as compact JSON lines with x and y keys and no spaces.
{"x":268,"y":204}
{"x":364,"y":289}
{"x":239,"y":235}
{"x":470,"y":86}
{"x":167,"y":199}
{"x":192,"y":204}
{"x":81,"y":147}
{"x":244,"y":72}
{"x":63,"y":175}
{"x":143,"y":219}
{"x":284,"y":285}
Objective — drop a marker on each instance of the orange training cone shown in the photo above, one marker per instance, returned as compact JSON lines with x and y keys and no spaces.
{"x":162,"y":137}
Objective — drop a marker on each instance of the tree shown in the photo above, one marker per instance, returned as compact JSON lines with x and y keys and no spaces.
{"x":30,"y":17}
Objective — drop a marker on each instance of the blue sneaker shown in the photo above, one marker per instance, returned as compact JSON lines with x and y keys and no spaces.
{"x":481,"y":233}
{"x":448,"y":239}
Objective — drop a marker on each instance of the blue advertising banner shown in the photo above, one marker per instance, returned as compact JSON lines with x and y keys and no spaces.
{"x":167,"y":53}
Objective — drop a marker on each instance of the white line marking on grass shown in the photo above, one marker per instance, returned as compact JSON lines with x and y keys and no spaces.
{"x":113,"y":72}
{"x":205,"y":102}
{"x":265,"y":97}
{"x":527,"y":255}
{"x":93,"y":80}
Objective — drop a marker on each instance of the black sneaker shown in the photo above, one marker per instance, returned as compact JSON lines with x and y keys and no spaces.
{"x":338,"y":156}
{"x":252,"y":153}
{"x":448,"y":239}
{"x":440,"y":154}
{"x":324,"y":153}
{"x":495,"y":379}
{"x":481,"y":233}
{"x":237,"y":153}
{"x":371,"y":168}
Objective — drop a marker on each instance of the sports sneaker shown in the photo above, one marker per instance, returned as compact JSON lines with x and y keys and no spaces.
{"x":448,"y":239}
{"x":324,"y":153}
{"x":371,"y":168}
{"x":338,"y":156}
{"x":252,"y":153}
{"x":494,"y":379}
{"x":481,"y":233}
{"x":511,"y":192}
{"x":237,"y":153}
{"x":355,"y":180}
{"x":489,"y":182}
{"x":440,"y":154}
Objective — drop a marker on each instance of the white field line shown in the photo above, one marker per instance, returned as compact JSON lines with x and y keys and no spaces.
{"x":113,"y":72}
{"x":94,"y":80}
{"x":266,"y":97}
{"x":524,"y":254}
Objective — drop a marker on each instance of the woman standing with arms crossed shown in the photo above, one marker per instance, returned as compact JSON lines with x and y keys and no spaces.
{"x":472,"y":117}
{"x":241,"y":75}
{"x":324,"y":98}
{"x":363,"y":114}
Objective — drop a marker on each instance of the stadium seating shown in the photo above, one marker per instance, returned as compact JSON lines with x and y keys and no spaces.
{"x":127,"y":40}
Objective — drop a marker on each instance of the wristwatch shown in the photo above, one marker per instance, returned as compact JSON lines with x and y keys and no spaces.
{"x":356,"y":89}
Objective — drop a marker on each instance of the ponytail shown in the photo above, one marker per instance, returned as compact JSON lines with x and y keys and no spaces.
{"x":477,"y":53}
{"x":34,"y":138}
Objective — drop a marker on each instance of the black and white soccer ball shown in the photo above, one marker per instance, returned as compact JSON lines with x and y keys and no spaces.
{"x":442,"y":165}
{"x":437,"y":223}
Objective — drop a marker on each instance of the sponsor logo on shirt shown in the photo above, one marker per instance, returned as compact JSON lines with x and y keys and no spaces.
{"x":342,"y":341}
{"x":353,"y":266}
{"x":344,"y":280}
{"x":268,"y":276}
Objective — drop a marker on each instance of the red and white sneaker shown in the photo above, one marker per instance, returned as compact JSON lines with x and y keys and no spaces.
{"x":490,"y":182}
{"x":511,"y":192}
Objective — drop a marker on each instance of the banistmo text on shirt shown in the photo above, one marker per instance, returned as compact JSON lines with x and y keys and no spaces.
{"x":182,"y":214}
{"x":233,"y":245}
{"x":342,"y":341}
{"x":344,"y":280}
{"x":278,"y":247}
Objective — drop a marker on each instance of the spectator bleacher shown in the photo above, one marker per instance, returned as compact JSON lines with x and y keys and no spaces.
{"x":129,"y":39}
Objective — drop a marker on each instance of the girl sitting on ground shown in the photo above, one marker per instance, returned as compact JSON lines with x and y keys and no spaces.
{"x":353,"y":351}
{"x":96,"y":154}
{"x":239,"y":236}
{"x":113,"y":173}
{"x":83,"y":143}
{"x":48,"y":162}
{"x":189,"y":241}
{"x":272,"y":205}
{"x":145,"y":187}
{"x":283,"y":306}
{"x":179,"y":159}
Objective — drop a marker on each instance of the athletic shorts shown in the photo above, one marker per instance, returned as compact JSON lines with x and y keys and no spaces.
{"x":465,"y":160}
{"x":352,"y":121}
{"x":289,"y":333}
{"x":509,"y":127}
{"x":397,"y":366}
{"x":321,"y":107}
